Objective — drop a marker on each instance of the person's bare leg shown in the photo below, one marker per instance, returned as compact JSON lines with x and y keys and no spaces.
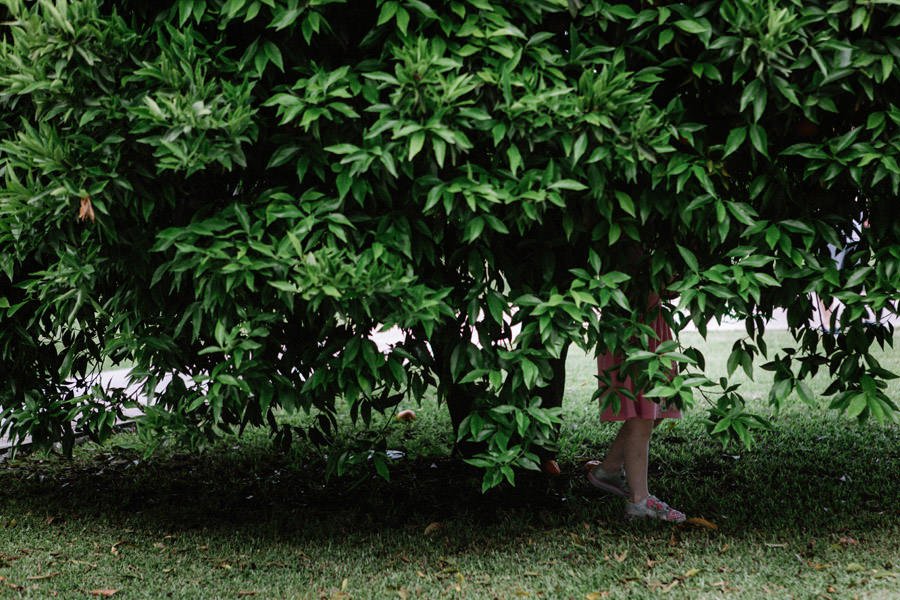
{"x":615,"y":457}
{"x":636,"y":456}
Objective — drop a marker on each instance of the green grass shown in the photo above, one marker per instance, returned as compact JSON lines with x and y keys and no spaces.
{"x":810,"y":512}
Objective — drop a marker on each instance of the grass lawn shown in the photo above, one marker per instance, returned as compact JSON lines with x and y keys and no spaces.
{"x":810,"y":512}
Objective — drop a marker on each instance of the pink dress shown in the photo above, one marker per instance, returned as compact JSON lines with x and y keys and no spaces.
{"x":640,"y":408}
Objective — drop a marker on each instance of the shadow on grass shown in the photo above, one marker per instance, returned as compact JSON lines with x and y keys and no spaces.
{"x":806,"y":475}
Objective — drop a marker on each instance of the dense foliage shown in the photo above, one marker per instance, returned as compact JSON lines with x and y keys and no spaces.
{"x":237,"y":193}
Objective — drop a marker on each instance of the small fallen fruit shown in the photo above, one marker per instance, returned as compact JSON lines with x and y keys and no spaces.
{"x":406,"y":415}
{"x":550,"y":467}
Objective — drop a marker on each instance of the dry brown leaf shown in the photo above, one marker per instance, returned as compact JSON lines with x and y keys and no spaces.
{"x":701,"y":522}
{"x":104,"y":593}
{"x":847,"y":541}
{"x":114,"y":549}
{"x":595,"y":595}
{"x":621,"y":557}
{"x":433,"y":528}
{"x":86,"y":210}
{"x":39,"y":577}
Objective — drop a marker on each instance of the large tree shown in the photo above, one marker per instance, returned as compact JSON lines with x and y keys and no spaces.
{"x":241,"y":191}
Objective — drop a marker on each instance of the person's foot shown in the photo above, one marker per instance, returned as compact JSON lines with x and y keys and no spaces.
{"x":612,"y":482}
{"x":652,"y":507}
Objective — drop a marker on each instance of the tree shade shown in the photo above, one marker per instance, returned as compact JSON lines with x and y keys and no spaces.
{"x":241,"y":191}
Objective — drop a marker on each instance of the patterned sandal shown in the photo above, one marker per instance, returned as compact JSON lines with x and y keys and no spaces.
{"x":652,"y":507}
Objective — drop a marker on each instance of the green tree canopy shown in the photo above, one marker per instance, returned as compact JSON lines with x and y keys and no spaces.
{"x":241,"y":191}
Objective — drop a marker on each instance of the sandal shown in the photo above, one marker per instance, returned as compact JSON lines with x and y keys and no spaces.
{"x":652,"y":507}
{"x":611,"y":482}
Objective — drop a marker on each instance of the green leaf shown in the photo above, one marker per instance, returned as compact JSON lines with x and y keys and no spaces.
{"x":515,"y":159}
{"x":689,"y":258}
{"x":806,"y":394}
{"x":736,"y":137}
{"x":416,"y":142}
{"x":665,"y":36}
{"x":567,"y":184}
{"x":625,"y":202}
{"x":691,"y":26}
{"x":759,"y":139}
{"x":529,"y":372}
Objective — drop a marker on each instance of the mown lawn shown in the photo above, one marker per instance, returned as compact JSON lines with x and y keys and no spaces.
{"x":811,"y":511}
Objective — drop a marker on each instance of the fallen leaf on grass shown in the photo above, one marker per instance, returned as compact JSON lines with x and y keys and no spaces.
{"x":663,"y":587}
{"x":104,"y":593}
{"x":691,"y":573}
{"x":701,"y":522}
{"x":855,"y":568}
{"x":621,"y":557}
{"x":114,"y":549}
{"x":847,"y":541}
{"x":668,"y":587}
{"x":596,"y":595}
{"x":433,"y":528}
{"x":40,"y":577}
